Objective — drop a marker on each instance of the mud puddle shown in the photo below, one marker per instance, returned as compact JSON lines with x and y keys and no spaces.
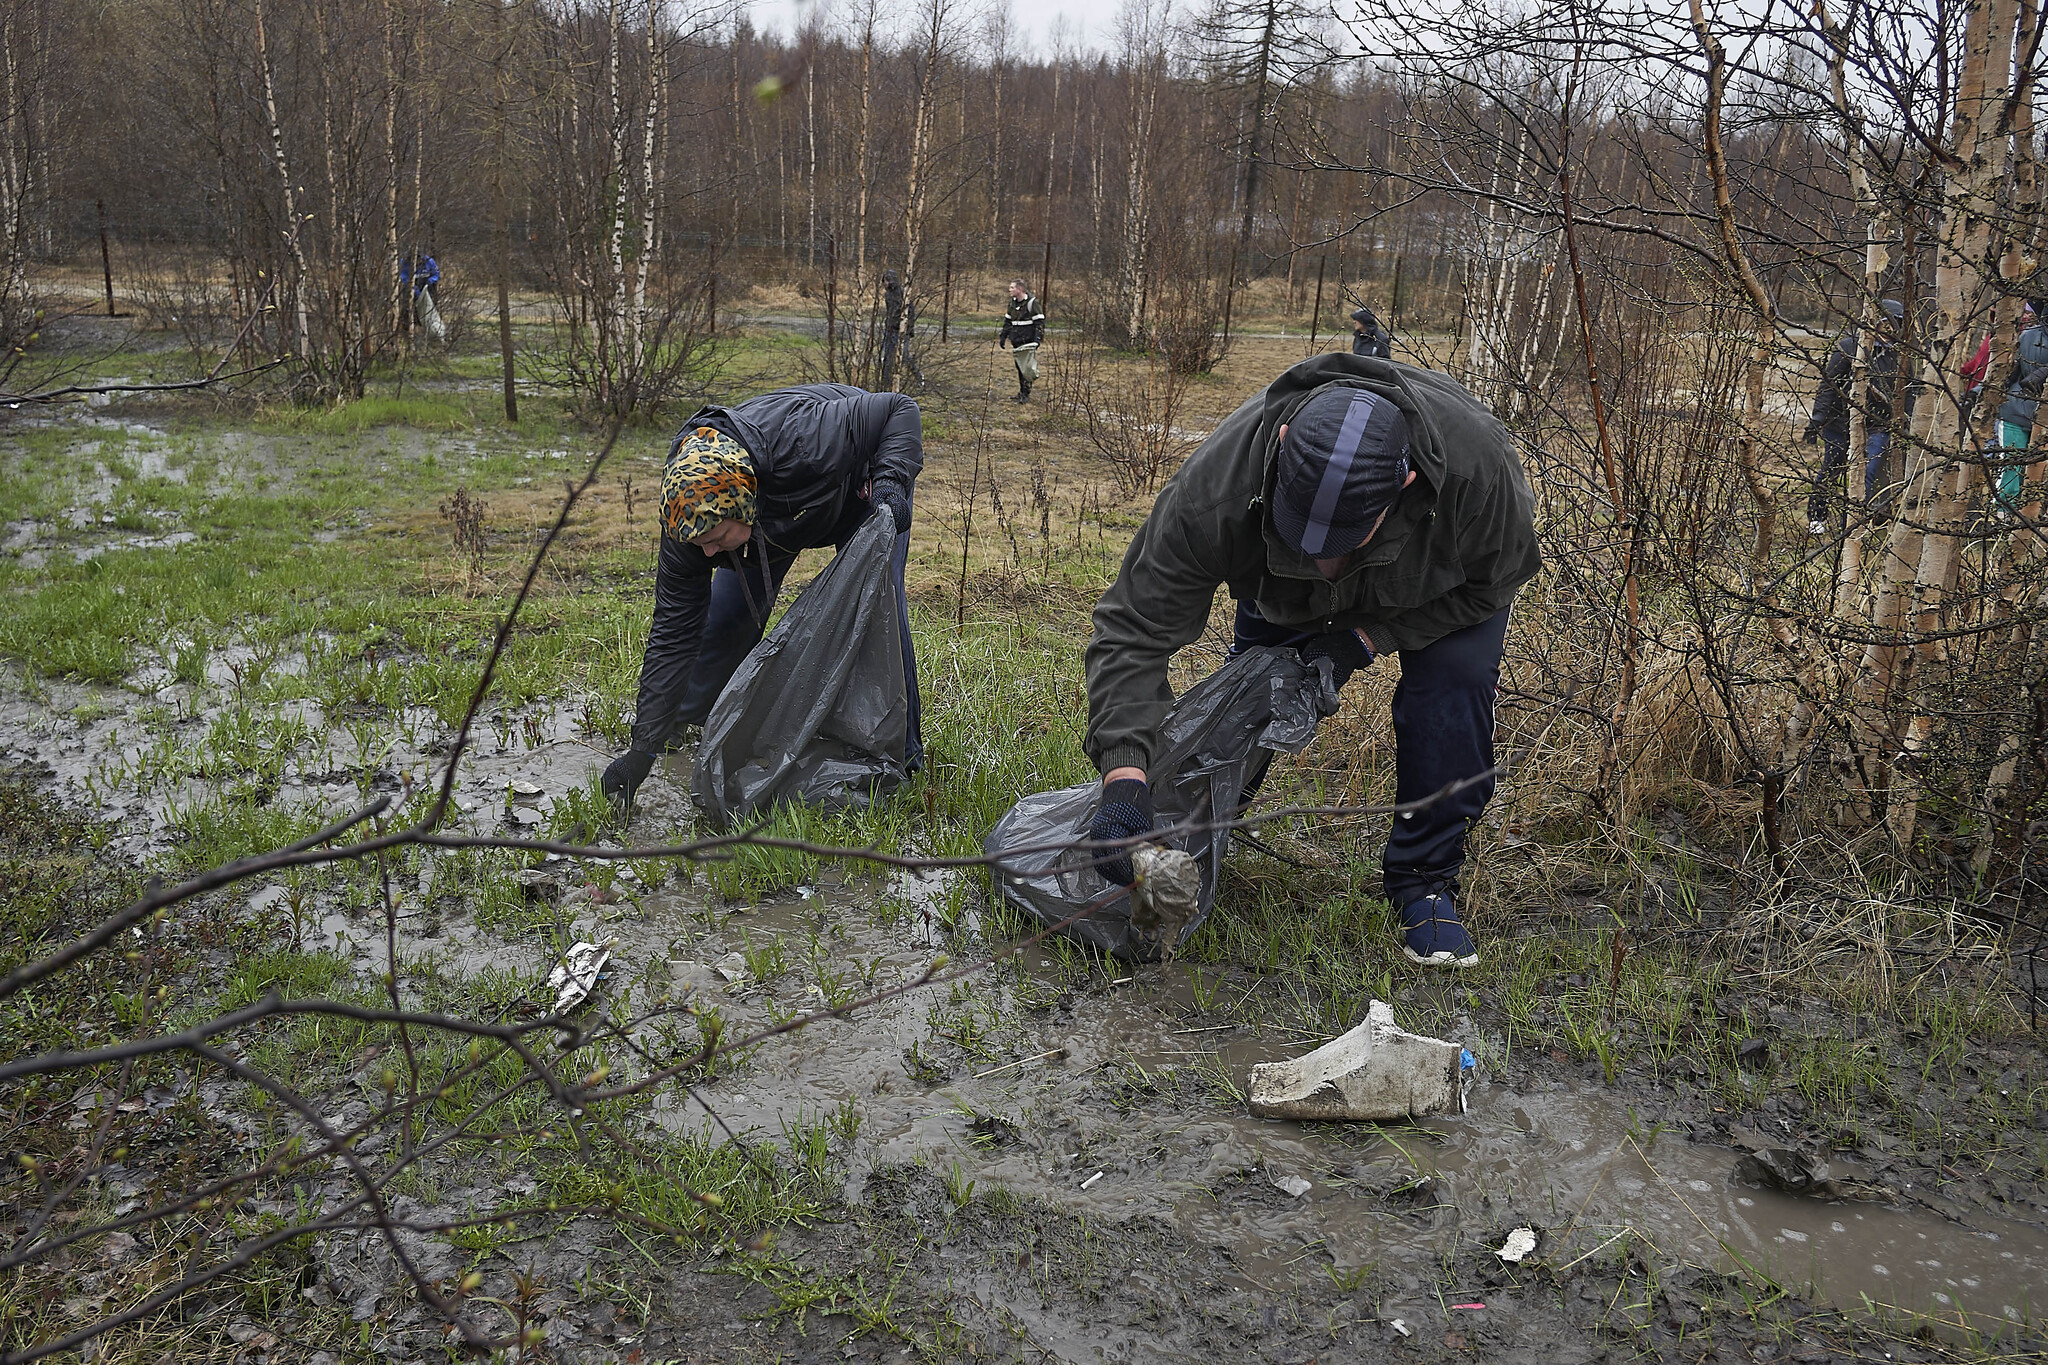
{"x":1104,"y":1090}
{"x":156,"y":750}
{"x":1117,"y":1102}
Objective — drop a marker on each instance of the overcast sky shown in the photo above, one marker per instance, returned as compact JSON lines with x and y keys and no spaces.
{"x":1089,"y":22}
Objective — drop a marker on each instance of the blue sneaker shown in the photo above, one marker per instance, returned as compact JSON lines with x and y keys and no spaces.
{"x":1433,"y":936}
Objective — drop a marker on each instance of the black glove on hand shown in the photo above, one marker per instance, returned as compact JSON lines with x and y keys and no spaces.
{"x":890,"y":496}
{"x":1125,"y":812}
{"x":1812,"y":436}
{"x":624,"y":776}
{"x":1345,"y":651}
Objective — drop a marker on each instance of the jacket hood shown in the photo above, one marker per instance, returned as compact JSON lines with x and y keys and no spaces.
{"x":1410,"y":390}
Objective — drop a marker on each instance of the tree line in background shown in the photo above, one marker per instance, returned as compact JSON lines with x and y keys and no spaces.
{"x":1633,"y":231}
{"x":283,"y":157}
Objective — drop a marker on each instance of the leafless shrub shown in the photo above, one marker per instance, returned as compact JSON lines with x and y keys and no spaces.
{"x":465,"y":517}
{"x":1129,"y":410}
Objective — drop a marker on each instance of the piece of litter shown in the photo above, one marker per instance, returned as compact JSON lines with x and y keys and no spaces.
{"x":576,"y":975}
{"x":526,"y":789}
{"x":1292,"y":1184}
{"x":1376,"y":1072}
{"x":806,"y":892}
{"x":1520,"y":1243}
{"x":1041,"y":1057}
{"x":733,"y":967}
{"x":1468,"y":1305}
{"x":1091,"y":1180}
{"x":1400,"y":1326}
{"x":1166,"y":897}
{"x":1123,"y":981}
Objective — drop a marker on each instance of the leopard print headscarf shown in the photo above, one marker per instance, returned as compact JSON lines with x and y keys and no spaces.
{"x":709,"y":479}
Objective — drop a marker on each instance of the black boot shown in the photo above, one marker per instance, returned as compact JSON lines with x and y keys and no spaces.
{"x":1023,"y":391}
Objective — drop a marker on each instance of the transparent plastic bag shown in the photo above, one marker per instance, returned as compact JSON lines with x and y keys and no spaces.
{"x":818,"y":712}
{"x":1216,"y":744}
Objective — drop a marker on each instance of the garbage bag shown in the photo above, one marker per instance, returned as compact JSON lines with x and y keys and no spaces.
{"x":1215,"y":744}
{"x":819,"y":711}
{"x":430,"y":318}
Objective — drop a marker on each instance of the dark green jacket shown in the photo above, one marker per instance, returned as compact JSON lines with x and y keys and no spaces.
{"x":1451,"y":553}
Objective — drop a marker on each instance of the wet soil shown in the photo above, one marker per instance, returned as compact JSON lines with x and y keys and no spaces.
{"x":1052,"y":1158}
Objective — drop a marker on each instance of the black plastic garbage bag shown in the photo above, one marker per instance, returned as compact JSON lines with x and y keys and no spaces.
{"x":818,"y":712}
{"x":1216,"y":742}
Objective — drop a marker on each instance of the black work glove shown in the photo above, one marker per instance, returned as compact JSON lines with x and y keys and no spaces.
{"x":1345,"y":651}
{"x":1125,"y":812}
{"x":1003,"y":336}
{"x":897,"y":501}
{"x":624,"y":776}
{"x":1812,"y":436}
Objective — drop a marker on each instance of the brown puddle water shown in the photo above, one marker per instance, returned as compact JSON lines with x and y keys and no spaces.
{"x":1570,"y":1160}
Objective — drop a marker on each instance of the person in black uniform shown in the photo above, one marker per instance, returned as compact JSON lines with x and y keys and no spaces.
{"x":746,"y":488}
{"x":1023,"y":329}
{"x":1368,"y":337}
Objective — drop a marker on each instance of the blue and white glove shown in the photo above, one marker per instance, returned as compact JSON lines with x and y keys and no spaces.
{"x":1125,"y":813}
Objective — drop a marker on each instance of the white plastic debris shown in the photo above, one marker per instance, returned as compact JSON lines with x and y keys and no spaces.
{"x":1520,"y":1243}
{"x":1376,"y":1072}
{"x":733,"y":966}
{"x":525,"y":789}
{"x":1292,"y":1185}
{"x":576,"y":975}
{"x":1400,"y":1326}
{"x":1167,"y":895}
{"x":1091,"y":1180}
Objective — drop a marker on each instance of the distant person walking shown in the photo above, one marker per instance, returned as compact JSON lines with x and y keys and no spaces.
{"x":1023,"y":329}
{"x":2022,"y":402}
{"x":1369,"y":338}
{"x":423,"y":273}
{"x":1829,"y":424}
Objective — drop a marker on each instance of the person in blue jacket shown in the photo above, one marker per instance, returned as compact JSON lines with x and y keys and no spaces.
{"x":2022,"y":401}
{"x":747,"y":488}
{"x":421,"y":271}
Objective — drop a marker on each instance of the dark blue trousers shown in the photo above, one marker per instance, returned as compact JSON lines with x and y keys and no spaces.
{"x":738,"y":615}
{"x":1443,"y":733}
{"x":1834,"y":461}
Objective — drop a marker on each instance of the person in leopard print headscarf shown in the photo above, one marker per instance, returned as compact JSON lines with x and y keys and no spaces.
{"x":746,"y":489}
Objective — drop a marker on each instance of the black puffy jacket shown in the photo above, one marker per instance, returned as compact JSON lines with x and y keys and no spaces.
{"x":816,"y":447}
{"x":1837,"y":380}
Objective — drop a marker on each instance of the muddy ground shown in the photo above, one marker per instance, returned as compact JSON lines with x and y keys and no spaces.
{"x":1046,"y":1158}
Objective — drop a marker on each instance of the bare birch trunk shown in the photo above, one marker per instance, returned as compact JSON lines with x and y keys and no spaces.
{"x":303,"y":339}
{"x":646,"y":253}
{"x":811,"y":180}
{"x":393,"y":283}
{"x":920,"y":172}
{"x":860,"y":212}
{"x":1937,"y":480}
{"x":623,"y":357}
